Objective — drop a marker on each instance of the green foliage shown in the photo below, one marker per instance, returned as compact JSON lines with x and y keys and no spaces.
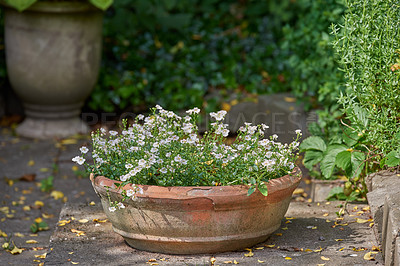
{"x":46,"y":185}
{"x":175,"y":53}
{"x":368,"y":46}
{"x":39,"y":226}
{"x":21,"y":5}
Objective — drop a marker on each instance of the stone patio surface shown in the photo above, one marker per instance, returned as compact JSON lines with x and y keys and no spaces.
{"x":310,"y":233}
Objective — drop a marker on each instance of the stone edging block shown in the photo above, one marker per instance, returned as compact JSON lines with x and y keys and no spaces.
{"x":385,"y":208}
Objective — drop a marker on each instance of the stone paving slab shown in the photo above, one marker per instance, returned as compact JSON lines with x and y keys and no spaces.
{"x":306,"y":239}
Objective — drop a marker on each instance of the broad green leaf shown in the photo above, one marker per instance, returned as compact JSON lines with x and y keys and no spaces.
{"x":357,"y":163}
{"x":329,"y":159}
{"x":263,"y":189}
{"x":313,"y":143}
{"x":350,"y":137}
{"x":311,"y":158}
{"x":343,"y":161}
{"x":250,"y":191}
{"x":392,"y":159}
{"x":102,"y":4}
{"x":20,"y":5}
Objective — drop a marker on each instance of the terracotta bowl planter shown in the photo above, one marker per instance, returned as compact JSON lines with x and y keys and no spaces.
{"x":190,"y":220}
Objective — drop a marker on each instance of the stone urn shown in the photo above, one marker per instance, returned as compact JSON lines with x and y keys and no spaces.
{"x":191,"y":220}
{"x":53,"y":54}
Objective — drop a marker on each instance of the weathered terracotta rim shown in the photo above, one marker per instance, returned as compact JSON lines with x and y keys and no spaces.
{"x":182,"y":192}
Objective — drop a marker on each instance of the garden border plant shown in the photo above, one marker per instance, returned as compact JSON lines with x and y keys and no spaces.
{"x":368,"y":48}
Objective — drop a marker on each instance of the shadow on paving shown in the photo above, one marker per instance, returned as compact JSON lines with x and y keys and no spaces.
{"x":300,"y":241}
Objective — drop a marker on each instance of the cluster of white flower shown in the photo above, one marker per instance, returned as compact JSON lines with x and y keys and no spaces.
{"x":166,"y":149}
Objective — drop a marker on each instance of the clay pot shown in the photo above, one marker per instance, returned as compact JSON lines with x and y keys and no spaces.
{"x":190,"y":220}
{"x":53,"y":54}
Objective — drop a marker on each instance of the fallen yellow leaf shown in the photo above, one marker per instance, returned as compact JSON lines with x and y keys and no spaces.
{"x":259,"y":248}
{"x":288,"y":258}
{"x":43,"y":256}
{"x":99,"y":221}
{"x":358,"y":249}
{"x":366,"y":208}
{"x":228,"y":262}
{"x":16,"y":250}
{"x":290,"y":218}
{"x":26,"y":208}
{"x":18,"y":235}
{"x":341,"y":249}
{"x":47,"y":216}
{"x":39,"y":203}
{"x":44,"y":169}
{"x":375,"y":248}
{"x":284,"y":228}
{"x":212,"y":260}
{"x":318,"y":250}
{"x":235,"y":262}
{"x":78,"y":232}
{"x":57,"y":194}
{"x":38,"y":220}
{"x":370,"y":255}
{"x":314,"y":227}
{"x":260,"y":261}
{"x":362,"y":221}
{"x":371,"y":224}
{"x":325,"y":214}
{"x":31,"y":163}
{"x":250,"y":254}
{"x":92,"y":203}
{"x":70,"y":253}
{"x":270,"y":246}
{"x":74,"y":262}
{"x":31,"y":241}
{"x":152,"y":260}
{"x":325,"y":258}
{"x":68,"y":141}
{"x":5,"y":245}
{"x":308,"y":250}
{"x":83,"y":221}
{"x":338,"y":239}
{"x":298,"y":191}
{"x":278,"y":234}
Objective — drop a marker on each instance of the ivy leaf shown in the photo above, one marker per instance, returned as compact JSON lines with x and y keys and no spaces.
{"x":329,"y":159}
{"x":313,"y":143}
{"x":263,"y":189}
{"x":311,"y":158}
{"x":102,"y":4}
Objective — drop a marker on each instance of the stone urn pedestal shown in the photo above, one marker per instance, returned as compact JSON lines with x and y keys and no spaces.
{"x":53,"y":54}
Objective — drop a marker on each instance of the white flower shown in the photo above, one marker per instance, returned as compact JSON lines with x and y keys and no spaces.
{"x":218,"y":155}
{"x":123,"y":178}
{"x":298,"y":132}
{"x":163,"y":170}
{"x":140,"y":117}
{"x":130,"y":192}
{"x":113,"y":132}
{"x":142,"y":162}
{"x":194,"y":110}
{"x":154,"y":150}
{"x":112,"y":209}
{"x":218,"y":116}
{"x":178,"y":158}
{"x":158,"y":107}
{"x":128,"y":165}
{"x":183,"y":161}
{"x":141,"y":142}
{"x":99,"y":160}
{"x":274,"y":137}
{"x":103,"y":130}
{"x":264,"y":127}
{"x":168,"y":154}
{"x":84,"y":149}
{"x":225,"y":132}
{"x":121,"y":205}
{"x":140,"y":190}
{"x":78,"y":159}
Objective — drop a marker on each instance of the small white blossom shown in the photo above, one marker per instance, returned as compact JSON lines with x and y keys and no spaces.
{"x":112,"y":209}
{"x":84,"y":149}
{"x":128,"y":166}
{"x":113,"y":132}
{"x":298,"y":132}
{"x":130,"y":192}
{"x":79,"y":160}
{"x":121,"y":205}
{"x":194,"y":110}
{"x":140,"y":117}
{"x":163,"y":170}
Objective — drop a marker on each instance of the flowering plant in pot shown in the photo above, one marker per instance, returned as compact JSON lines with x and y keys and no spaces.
{"x":166,"y":189}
